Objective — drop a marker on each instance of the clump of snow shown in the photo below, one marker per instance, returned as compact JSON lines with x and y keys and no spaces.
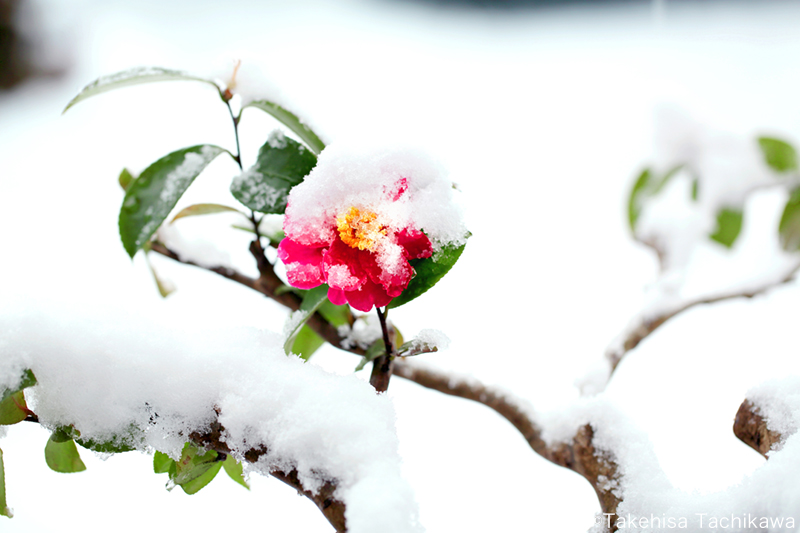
{"x":150,"y":381}
{"x":767,"y":500}
{"x":195,"y":249}
{"x":778,"y":402}
{"x":363,"y":332}
{"x":405,"y":188}
{"x":277,"y":139}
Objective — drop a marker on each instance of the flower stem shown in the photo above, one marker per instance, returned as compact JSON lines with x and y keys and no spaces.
{"x":382,"y":366}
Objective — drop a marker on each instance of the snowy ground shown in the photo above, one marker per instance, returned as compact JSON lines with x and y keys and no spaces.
{"x":543,"y":119}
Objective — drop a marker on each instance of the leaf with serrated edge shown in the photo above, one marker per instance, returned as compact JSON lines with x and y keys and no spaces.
{"x":282,"y":163}
{"x":729,"y":225}
{"x":235,"y":471}
{"x":312,"y":299}
{"x":428,"y":272}
{"x":779,"y":155}
{"x":134,"y":76}
{"x":152,"y":196}
{"x":4,"y":510}
{"x":291,"y":121}
{"x":63,"y":457}
{"x":203,"y":209}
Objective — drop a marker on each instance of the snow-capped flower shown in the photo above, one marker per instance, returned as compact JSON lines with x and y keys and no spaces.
{"x":357,"y":219}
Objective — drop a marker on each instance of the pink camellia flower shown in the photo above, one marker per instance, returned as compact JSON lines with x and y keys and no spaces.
{"x":360,"y":216}
{"x":365,"y":260}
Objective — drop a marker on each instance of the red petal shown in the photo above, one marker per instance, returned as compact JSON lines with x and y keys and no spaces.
{"x":369,"y":296}
{"x":336,"y":296}
{"x":399,"y":188}
{"x":416,"y":244}
{"x":342,"y":266}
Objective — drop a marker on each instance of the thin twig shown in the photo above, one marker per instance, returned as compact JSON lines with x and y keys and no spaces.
{"x":647,"y":325}
{"x":382,"y":366}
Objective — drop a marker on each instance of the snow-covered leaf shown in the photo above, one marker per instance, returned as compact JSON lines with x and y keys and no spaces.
{"x":428,"y":272}
{"x":778,"y":154}
{"x":202,"y":209}
{"x":282,"y":163}
{"x":291,"y":121}
{"x":729,"y":225}
{"x":789,"y":227}
{"x":27,"y":379}
{"x":4,"y":510}
{"x":12,"y":409}
{"x":63,"y":456}
{"x":152,"y":196}
{"x":235,"y":471}
{"x":134,"y":76}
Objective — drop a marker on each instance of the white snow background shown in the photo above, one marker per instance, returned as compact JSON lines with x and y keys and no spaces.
{"x":543,"y":118}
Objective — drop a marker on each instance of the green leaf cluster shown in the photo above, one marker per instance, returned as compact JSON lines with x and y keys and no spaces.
{"x":196,"y":468}
{"x":778,"y":154}
{"x":151,"y":197}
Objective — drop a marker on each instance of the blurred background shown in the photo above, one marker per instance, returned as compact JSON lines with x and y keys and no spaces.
{"x":543,"y":113}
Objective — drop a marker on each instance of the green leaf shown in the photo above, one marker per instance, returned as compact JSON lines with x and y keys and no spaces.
{"x":162,"y":463}
{"x":695,"y":189}
{"x":645,"y":186}
{"x":235,"y":471}
{"x":134,"y":76}
{"x":375,"y":350}
{"x":152,"y":196}
{"x":193,"y":486}
{"x":195,"y":469}
{"x":13,"y":409}
{"x":729,"y":225}
{"x":282,"y":163}
{"x":336,"y":315}
{"x":64,"y":433}
{"x":635,"y":198}
{"x":312,"y":299}
{"x":165,"y":287}
{"x":4,"y":510}
{"x":428,"y":272}
{"x":63,"y":456}
{"x":306,"y":343}
{"x":203,"y":209}
{"x":27,"y":379}
{"x":789,"y":227}
{"x":115,"y":444}
{"x":291,"y":121}
{"x":125,"y":179}
{"x":778,"y":154}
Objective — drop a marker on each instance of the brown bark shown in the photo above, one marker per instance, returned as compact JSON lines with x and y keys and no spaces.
{"x":752,"y":429}
{"x":332,"y":508}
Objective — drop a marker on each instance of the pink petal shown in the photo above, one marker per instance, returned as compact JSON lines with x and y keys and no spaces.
{"x":303,"y":264}
{"x":415,"y":243}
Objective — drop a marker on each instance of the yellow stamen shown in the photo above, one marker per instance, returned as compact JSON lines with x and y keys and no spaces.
{"x":360,"y":230}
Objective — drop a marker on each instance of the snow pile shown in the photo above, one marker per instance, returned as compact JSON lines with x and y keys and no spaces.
{"x":375,"y":180}
{"x":152,"y":381}
{"x":767,"y":500}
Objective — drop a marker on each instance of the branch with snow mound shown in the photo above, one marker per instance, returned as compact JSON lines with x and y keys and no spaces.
{"x":154,"y":384}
